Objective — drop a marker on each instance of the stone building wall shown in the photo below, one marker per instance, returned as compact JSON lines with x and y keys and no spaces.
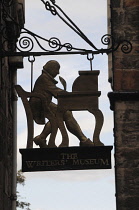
{"x":8,"y":66}
{"x":125,"y":25}
{"x":125,"y":102}
{"x":6,"y":138}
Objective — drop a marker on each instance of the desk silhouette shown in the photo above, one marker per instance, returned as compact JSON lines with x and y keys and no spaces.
{"x":84,"y":97}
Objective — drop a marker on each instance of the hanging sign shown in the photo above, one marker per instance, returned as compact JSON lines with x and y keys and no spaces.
{"x":91,"y":154}
{"x":68,"y":158}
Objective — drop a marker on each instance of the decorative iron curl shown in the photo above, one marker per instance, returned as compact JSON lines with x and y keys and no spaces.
{"x":54,"y":43}
{"x":126,"y":47}
{"x":107,"y":39}
{"x":68,"y":46}
{"x":25,"y":44}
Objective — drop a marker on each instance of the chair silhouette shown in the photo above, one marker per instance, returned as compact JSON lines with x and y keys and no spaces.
{"x":25,"y":96}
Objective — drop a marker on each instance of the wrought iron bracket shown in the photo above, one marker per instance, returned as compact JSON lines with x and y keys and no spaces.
{"x":19,"y":41}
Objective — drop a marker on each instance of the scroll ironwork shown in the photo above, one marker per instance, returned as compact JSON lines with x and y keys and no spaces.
{"x":29,"y":41}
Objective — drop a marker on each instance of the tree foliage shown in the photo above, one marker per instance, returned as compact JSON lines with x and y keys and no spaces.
{"x":21,"y":180}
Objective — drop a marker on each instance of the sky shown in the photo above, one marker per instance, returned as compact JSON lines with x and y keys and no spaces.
{"x":69,"y":190}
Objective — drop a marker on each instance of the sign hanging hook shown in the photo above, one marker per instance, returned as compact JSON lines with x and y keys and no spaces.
{"x":31,"y":59}
{"x":90,"y":59}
